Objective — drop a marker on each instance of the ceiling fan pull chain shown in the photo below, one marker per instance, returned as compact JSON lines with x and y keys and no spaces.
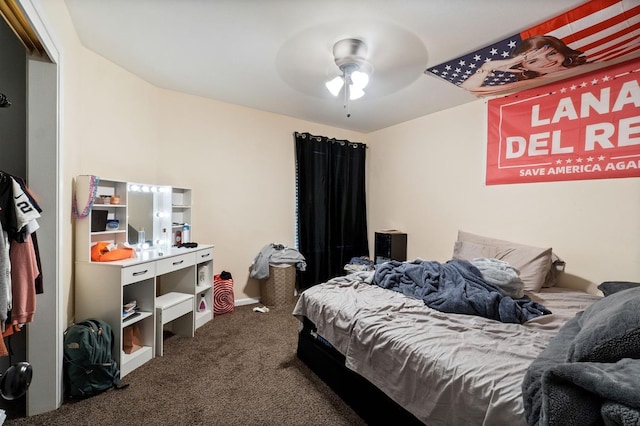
{"x":347,"y":94}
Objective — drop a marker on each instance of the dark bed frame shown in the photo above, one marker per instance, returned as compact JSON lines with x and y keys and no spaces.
{"x":373,"y":405}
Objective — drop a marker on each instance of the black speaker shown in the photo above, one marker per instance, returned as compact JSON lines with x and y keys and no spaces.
{"x":390,"y":245}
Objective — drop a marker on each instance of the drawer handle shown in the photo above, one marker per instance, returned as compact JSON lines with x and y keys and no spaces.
{"x":135,"y":274}
{"x":205,"y":255}
{"x":178,"y":262}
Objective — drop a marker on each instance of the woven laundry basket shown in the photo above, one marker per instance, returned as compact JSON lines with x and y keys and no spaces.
{"x":279,"y":288}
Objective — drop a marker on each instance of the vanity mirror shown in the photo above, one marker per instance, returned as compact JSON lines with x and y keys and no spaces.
{"x":149,"y":214}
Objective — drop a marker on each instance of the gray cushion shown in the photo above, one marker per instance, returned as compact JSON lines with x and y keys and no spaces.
{"x":611,"y":287}
{"x":610,"y":329}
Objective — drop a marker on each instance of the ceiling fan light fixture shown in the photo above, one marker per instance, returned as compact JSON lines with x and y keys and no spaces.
{"x":359,"y":79}
{"x":350,"y":57}
{"x":355,"y":92}
{"x":335,"y":85}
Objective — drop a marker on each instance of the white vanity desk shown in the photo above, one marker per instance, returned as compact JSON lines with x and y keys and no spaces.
{"x":102,"y":288}
{"x":167,"y":288}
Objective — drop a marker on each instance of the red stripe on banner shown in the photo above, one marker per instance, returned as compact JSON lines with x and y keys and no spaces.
{"x":568,"y":17}
{"x":619,"y":54}
{"x":603,"y":26}
{"x":626,"y":47}
{"x":611,"y":37}
{"x":609,"y":52}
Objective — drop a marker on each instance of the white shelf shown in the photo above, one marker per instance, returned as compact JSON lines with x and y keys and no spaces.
{"x":180,"y":211}
{"x":203,"y":317}
{"x":173,"y":298}
{"x":129,"y":362}
{"x":135,"y":318}
{"x":203,"y":287}
{"x":114,"y":231}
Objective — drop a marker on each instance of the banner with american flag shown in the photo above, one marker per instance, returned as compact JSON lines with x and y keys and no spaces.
{"x":584,"y":127}
{"x":595,"y":32}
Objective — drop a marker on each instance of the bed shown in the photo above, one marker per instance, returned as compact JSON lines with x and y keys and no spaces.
{"x":396,"y":360}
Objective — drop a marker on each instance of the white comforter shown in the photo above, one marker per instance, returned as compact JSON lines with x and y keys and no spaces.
{"x":446,"y":369}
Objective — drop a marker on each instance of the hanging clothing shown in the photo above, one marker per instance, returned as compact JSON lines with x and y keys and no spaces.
{"x":17,"y":207}
{"x":39,"y":281}
{"x":7,"y":333}
{"x":20,"y":276}
{"x":24,"y":271}
{"x":5,"y":275}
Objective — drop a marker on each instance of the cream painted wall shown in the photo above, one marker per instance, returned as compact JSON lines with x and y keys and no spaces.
{"x":240,"y":164}
{"x":108,"y":120}
{"x":426,"y":177}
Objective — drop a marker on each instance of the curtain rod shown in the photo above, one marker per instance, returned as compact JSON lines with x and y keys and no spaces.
{"x":303,"y":135}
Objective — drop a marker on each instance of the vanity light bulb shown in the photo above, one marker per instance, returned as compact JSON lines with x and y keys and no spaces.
{"x":134,"y":188}
{"x":154,"y":189}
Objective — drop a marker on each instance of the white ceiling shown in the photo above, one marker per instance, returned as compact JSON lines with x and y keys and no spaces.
{"x":275,"y":55}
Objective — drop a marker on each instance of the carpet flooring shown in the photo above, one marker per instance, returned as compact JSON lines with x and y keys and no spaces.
{"x":239,"y":369}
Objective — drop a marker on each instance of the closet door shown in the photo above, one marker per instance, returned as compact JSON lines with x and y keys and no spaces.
{"x":13,"y":119}
{"x":13,"y":146}
{"x":29,"y":147}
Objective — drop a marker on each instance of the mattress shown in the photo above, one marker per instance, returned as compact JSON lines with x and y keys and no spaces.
{"x":443,"y":368}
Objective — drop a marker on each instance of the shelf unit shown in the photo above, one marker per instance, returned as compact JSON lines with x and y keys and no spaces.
{"x":204,"y":286}
{"x":197,"y":281}
{"x":180,"y":210}
{"x":85,"y":237}
{"x":103,"y":288}
{"x":101,"y":291}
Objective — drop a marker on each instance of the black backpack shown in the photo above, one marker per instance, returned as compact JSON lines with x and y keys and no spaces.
{"x":89,"y":367}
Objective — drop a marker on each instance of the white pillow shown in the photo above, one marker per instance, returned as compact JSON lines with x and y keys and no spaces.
{"x":534,"y":263}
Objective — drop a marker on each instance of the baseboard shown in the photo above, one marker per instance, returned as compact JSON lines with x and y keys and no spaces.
{"x":247,"y":301}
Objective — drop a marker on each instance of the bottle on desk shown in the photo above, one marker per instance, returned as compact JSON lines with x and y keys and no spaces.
{"x":141,"y":238}
{"x":186,"y":233}
{"x":164,"y":243}
{"x":202,"y":304}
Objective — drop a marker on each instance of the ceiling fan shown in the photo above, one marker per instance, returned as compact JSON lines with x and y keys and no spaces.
{"x":350,"y":56}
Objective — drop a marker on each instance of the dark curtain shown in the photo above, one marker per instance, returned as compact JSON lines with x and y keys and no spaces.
{"x":331,"y":205}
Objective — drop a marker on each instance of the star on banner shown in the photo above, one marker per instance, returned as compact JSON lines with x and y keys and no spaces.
{"x":458,"y":70}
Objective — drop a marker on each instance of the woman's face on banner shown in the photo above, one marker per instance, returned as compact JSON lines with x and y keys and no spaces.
{"x":544,"y":60}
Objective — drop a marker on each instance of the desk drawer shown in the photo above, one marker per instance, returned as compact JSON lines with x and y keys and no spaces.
{"x":133,"y":274}
{"x":204,"y":255}
{"x":174,"y":263}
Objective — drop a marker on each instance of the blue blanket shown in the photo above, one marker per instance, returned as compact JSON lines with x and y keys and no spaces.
{"x":589,"y":374}
{"x":455,"y":287}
